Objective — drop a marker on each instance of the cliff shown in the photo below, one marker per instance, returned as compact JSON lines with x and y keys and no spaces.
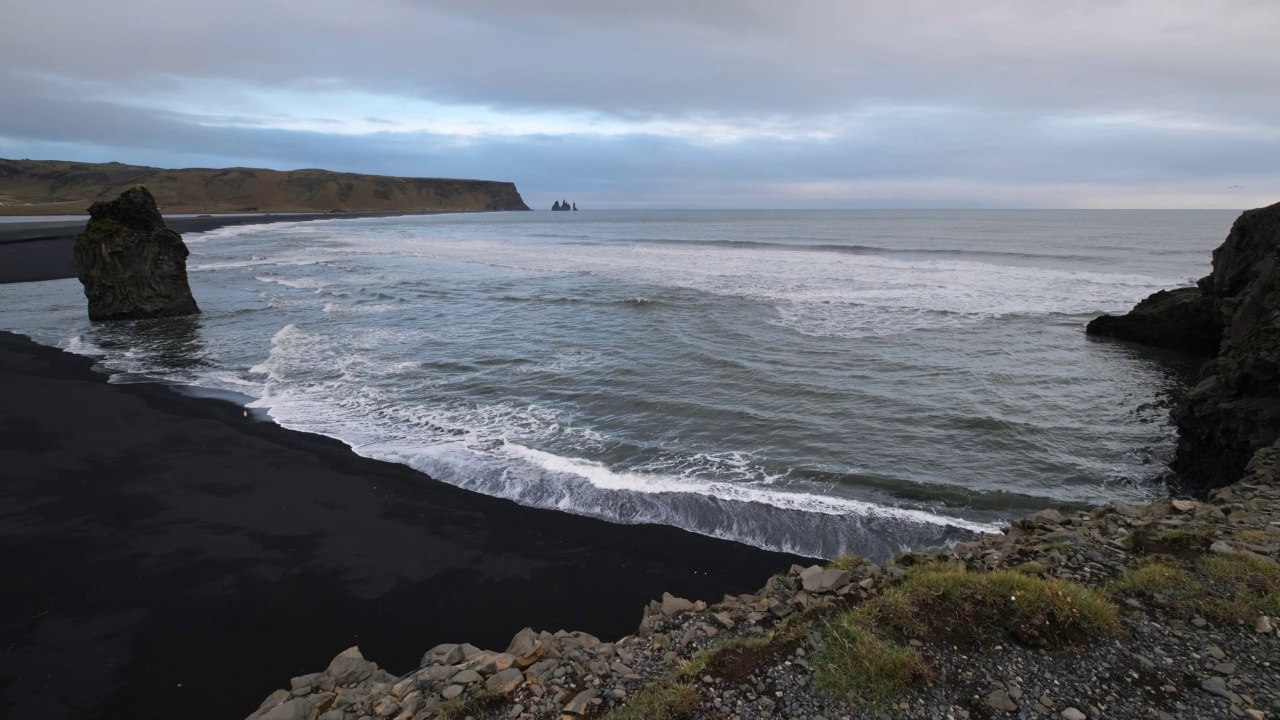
{"x":1232,"y":315}
{"x":51,"y":187}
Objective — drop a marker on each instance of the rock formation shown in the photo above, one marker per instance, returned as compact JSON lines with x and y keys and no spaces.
{"x":564,"y":205}
{"x":1182,"y":319}
{"x":131,"y":265}
{"x":1234,"y":411}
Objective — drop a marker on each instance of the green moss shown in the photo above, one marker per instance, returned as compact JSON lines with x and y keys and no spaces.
{"x":476,"y":706}
{"x":848,"y":562}
{"x":1177,"y":542}
{"x":669,"y":700}
{"x":1230,"y":588}
{"x":1030,"y":568}
{"x":859,"y":664}
{"x":1256,"y":537}
{"x":950,"y":602}
{"x":864,"y":655}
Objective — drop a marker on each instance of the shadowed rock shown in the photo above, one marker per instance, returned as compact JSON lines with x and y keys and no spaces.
{"x":1182,"y":319}
{"x":1233,"y":315}
{"x":1234,"y":411}
{"x":131,"y":265}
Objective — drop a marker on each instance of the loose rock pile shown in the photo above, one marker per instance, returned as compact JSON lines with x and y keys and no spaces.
{"x":1167,"y":666}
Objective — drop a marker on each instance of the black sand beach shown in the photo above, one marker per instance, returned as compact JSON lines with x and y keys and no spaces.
{"x":41,"y":250}
{"x":166,"y":556}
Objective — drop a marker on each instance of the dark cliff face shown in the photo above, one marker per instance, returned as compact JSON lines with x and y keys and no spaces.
{"x":1184,"y":319}
{"x":1235,"y":409}
{"x":131,"y":265}
{"x":1232,"y":315}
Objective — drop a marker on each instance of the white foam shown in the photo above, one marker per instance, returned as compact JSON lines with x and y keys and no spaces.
{"x":815,"y":292}
{"x":602,"y":477}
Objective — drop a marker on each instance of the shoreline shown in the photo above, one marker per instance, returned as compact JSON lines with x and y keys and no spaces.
{"x":42,"y":250}
{"x":168,"y":551}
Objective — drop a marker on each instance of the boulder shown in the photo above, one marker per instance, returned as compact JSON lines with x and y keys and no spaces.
{"x":1182,"y":319}
{"x":672,"y":605}
{"x":350,"y":667}
{"x":817,"y":579}
{"x":131,"y":265}
{"x":504,"y":682}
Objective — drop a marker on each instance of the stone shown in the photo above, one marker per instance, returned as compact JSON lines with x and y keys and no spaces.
{"x":467,"y":677}
{"x":1217,"y":686}
{"x":446,"y":654}
{"x":1073,"y":714}
{"x":295,"y":709}
{"x":1182,"y":319}
{"x":1225,"y":668}
{"x":304,"y":682}
{"x":504,"y":682}
{"x":1185,"y":505}
{"x":672,"y":605}
{"x":495,"y":663}
{"x":1216,"y":653}
{"x":580,"y":702}
{"x":350,"y":667}
{"x":273,"y":700}
{"x":452,"y":692}
{"x":131,"y":265}
{"x":1000,"y":700}
{"x":1263,"y":625}
{"x":1045,"y":518}
{"x":817,"y":579}
{"x":1220,"y":547}
{"x":523,"y":643}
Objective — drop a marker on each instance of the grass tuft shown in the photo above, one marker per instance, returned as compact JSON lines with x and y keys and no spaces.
{"x":1230,"y":588}
{"x":671,"y":700}
{"x":476,"y":706}
{"x":855,"y":662}
{"x":848,"y":562}
{"x":865,"y":656}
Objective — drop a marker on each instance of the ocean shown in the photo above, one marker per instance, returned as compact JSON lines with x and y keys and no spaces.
{"x":817,"y":382}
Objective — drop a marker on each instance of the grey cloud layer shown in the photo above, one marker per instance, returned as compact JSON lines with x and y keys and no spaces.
{"x":1014,"y":88}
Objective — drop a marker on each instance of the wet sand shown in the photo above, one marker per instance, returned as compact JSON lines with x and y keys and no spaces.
{"x":167,"y":556}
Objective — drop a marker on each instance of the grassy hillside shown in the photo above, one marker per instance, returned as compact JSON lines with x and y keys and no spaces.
{"x":54,"y":187}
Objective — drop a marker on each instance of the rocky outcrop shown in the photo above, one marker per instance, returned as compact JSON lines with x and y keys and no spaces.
{"x":131,"y":265}
{"x":1234,"y":410}
{"x":1233,"y":316}
{"x":1184,"y":320}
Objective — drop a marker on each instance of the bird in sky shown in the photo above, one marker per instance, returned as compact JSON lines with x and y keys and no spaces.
{"x":1236,"y":186}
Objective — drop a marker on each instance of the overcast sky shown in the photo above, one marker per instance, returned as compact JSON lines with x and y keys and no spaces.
{"x":673,"y":103}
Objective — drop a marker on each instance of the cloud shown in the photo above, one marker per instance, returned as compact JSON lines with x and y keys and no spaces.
{"x":989,"y":103}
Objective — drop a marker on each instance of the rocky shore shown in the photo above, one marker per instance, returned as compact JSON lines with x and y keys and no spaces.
{"x":759,"y":655}
{"x":1168,"y":610}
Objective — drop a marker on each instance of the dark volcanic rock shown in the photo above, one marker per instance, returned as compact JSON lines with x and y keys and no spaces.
{"x":131,"y":265}
{"x":1183,"y":319}
{"x":1235,"y":409}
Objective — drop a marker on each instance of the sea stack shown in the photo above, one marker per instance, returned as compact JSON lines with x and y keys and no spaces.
{"x":131,"y":265}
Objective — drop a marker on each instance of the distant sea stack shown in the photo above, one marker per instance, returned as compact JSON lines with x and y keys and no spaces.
{"x":565,"y":205}
{"x":1232,"y":315}
{"x":51,"y":187}
{"x":131,"y":265}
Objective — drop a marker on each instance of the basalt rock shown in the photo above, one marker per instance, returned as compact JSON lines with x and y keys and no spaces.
{"x":131,"y":265}
{"x":1184,"y":319}
{"x":1234,"y":411}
